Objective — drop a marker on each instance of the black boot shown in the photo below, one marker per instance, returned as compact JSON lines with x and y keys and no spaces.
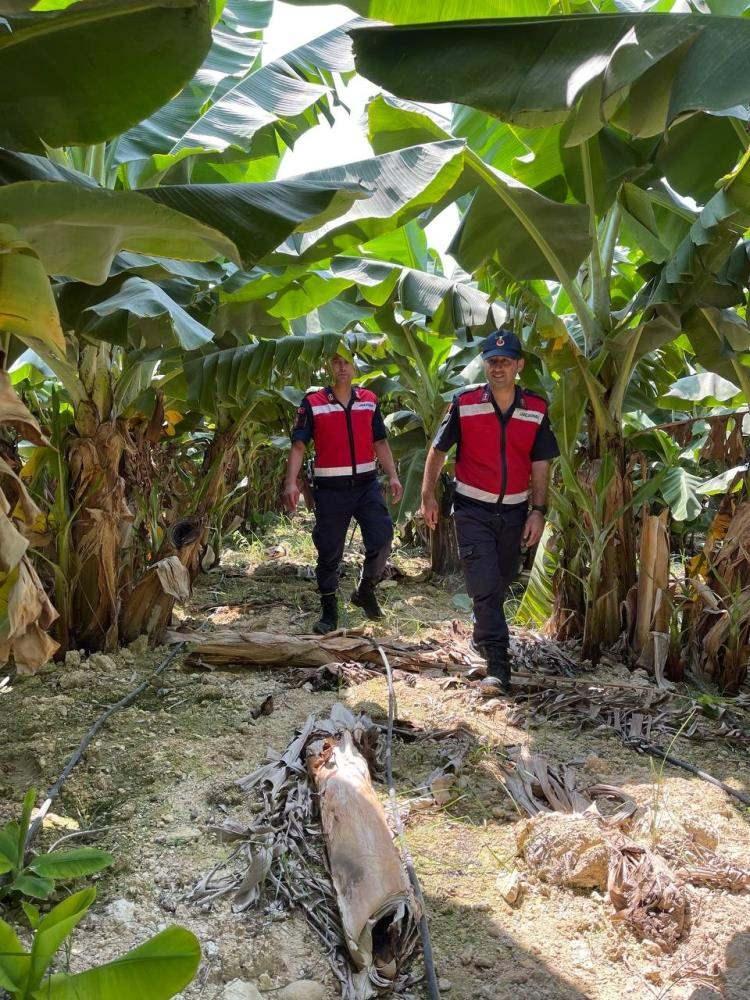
{"x":364,"y":597}
{"x":329,"y":617}
{"x":497,"y":656}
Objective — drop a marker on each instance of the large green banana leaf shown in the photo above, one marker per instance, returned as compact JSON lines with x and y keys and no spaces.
{"x":420,"y":292}
{"x":276,"y":102}
{"x":77,"y":231}
{"x":701,"y":389}
{"x":639,"y":71}
{"x":224,"y":377}
{"x":679,"y":488}
{"x":27,"y":305}
{"x":254,"y":218}
{"x":687,"y":275}
{"x":401,"y":185}
{"x":537,"y":602}
{"x":321,"y":208}
{"x":721,"y":342}
{"x":85,"y":74}
{"x":426,"y":11}
{"x":298,"y":290}
{"x":148,"y":300}
{"x":16,"y":166}
{"x":236,"y":44}
{"x":235,"y":47}
{"x":529,"y":234}
{"x":259,"y":217}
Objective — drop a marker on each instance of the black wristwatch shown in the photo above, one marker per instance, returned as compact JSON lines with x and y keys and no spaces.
{"x":541,"y":507}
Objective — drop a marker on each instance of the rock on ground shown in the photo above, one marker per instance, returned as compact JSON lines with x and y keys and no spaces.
{"x":239,"y":989}
{"x":121,"y":910}
{"x":303,"y":989}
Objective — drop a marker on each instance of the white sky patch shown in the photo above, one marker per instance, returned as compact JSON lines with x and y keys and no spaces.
{"x":346,"y":140}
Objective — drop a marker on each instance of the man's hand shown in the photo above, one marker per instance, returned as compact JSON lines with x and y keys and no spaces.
{"x":532,"y":530}
{"x":430,"y":511}
{"x":291,"y":496}
{"x":397,"y":490}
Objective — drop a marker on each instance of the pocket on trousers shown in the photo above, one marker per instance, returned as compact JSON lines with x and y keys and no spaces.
{"x":467,"y":551}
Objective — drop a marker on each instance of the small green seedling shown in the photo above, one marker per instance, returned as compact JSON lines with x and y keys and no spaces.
{"x":156,"y":970}
{"x":37,"y":878}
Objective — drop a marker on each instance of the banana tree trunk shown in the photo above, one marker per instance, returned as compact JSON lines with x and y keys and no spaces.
{"x":149,"y":606}
{"x":597,"y":564}
{"x":444,"y":558}
{"x":101,"y":522}
{"x":613,"y":570}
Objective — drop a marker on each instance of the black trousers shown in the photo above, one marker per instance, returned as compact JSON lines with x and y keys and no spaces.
{"x":489,"y":543}
{"x":334,"y":510}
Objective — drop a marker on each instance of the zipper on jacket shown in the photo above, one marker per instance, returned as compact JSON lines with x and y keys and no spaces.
{"x":350,"y":431}
{"x":504,"y":418}
{"x":504,"y":462}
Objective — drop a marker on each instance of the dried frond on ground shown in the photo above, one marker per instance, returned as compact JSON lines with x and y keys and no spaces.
{"x":538,"y":785}
{"x":364,"y":912}
{"x":646,"y":894}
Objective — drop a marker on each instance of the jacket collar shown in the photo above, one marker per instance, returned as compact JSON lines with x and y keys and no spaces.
{"x":332,"y":399}
{"x":518,"y":399}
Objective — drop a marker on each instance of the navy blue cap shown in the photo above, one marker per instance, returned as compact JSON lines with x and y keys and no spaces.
{"x":502,"y":344}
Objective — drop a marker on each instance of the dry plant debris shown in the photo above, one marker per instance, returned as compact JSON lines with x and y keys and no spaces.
{"x":634,"y":712}
{"x":537,"y":785}
{"x":646,"y":894}
{"x":255,"y":649}
{"x":366,"y":918}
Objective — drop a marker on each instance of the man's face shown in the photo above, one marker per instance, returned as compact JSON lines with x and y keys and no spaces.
{"x":501,"y":372}
{"x":342,"y":368}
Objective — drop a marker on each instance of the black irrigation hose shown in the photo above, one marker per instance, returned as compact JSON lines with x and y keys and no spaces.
{"x":54,"y":791}
{"x":433,"y":990}
{"x":643,"y":746}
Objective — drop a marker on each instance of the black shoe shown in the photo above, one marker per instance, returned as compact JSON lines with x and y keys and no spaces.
{"x":498,"y":663}
{"x":364,"y":597}
{"x":329,"y":618}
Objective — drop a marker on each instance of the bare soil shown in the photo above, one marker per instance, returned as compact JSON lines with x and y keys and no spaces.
{"x":163,"y":771}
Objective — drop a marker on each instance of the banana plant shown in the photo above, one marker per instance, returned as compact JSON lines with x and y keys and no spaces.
{"x":138,"y":55}
{"x":35,"y":877}
{"x":155,"y":970}
{"x":111,"y":306}
{"x":566,"y":167}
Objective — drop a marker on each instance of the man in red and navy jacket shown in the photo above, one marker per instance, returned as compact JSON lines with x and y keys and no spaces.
{"x":349,"y":434}
{"x":504,"y":448}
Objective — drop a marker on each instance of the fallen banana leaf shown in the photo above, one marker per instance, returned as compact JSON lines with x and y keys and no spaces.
{"x":538,"y":785}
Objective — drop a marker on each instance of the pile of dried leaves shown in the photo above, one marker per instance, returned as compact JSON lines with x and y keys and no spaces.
{"x":646,"y":894}
{"x":573,"y":839}
{"x":634,"y":712}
